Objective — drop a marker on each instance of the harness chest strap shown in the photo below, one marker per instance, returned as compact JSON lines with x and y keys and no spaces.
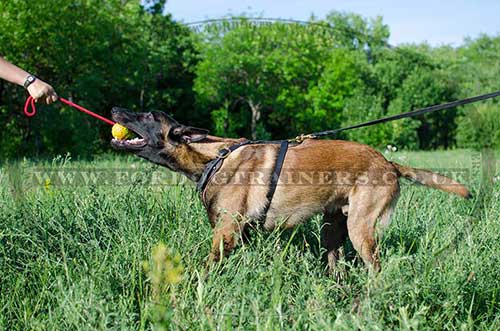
{"x":213,"y":166}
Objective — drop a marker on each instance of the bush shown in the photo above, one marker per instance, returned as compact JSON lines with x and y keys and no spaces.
{"x":478,"y":127}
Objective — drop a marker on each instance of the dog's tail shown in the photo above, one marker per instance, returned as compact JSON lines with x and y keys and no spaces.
{"x":432,"y":179}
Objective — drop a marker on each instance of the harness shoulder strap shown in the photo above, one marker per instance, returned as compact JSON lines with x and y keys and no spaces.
{"x":275,"y":176}
{"x":215,"y":165}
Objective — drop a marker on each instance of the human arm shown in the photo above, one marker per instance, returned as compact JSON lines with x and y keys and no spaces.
{"x":39,"y":90}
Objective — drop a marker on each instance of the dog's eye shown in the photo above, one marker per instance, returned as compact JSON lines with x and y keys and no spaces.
{"x":174,"y":133}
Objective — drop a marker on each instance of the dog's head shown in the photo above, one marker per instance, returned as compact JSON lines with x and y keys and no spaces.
{"x":159,"y":135}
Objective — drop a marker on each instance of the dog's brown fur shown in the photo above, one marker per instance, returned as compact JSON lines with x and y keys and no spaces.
{"x":358,"y":204}
{"x":231,"y":206}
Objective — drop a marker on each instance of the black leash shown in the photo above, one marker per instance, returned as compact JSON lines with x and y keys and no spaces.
{"x":402,"y":115}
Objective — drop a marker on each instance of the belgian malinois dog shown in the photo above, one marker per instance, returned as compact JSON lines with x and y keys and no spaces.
{"x":351,"y":184}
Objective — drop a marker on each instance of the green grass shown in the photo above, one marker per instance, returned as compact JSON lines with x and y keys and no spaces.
{"x":71,"y":258}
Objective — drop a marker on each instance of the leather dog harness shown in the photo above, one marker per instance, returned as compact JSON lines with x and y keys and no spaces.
{"x":213,"y":166}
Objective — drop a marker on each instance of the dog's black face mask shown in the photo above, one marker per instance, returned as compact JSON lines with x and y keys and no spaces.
{"x":159,"y":135}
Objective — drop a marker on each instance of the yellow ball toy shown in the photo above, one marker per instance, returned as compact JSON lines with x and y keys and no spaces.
{"x":120,"y":132}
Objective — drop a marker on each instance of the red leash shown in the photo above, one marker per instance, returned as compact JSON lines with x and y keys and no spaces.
{"x":31,"y":102}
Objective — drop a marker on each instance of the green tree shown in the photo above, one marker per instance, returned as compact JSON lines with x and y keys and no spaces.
{"x":407,"y":78}
{"x":476,"y":65}
{"x":479,"y":128}
{"x":98,"y":54}
{"x":278,"y":76}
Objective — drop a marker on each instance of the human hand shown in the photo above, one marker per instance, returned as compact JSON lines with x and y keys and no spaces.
{"x":42,"y":92}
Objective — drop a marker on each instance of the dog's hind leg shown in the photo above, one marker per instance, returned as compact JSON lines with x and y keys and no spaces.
{"x":367,"y":204}
{"x":333,"y":235}
{"x":386,"y":216}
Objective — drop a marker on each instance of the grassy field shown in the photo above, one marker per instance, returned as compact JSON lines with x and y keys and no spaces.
{"x":72,"y":258}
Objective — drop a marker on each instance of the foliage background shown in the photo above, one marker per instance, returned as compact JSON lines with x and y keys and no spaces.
{"x":263,"y":81}
{"x":72,"y":257}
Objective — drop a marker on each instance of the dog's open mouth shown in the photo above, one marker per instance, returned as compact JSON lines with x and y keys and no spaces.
{"x":136,"y":141}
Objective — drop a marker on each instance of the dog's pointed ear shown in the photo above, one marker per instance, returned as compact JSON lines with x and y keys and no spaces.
{"x":189,"y":134}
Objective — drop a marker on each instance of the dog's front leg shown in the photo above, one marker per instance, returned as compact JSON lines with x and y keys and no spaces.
{"x":226,"y":233}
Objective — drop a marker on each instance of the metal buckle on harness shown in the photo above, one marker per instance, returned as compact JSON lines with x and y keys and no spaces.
{"x":223,"y":153}
{"x":302,"y":137}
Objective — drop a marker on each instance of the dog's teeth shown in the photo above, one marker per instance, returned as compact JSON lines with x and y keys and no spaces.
{"x":136,"y":141}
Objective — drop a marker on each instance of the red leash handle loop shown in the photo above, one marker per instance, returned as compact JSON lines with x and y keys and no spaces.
{"x":31,"y":102}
